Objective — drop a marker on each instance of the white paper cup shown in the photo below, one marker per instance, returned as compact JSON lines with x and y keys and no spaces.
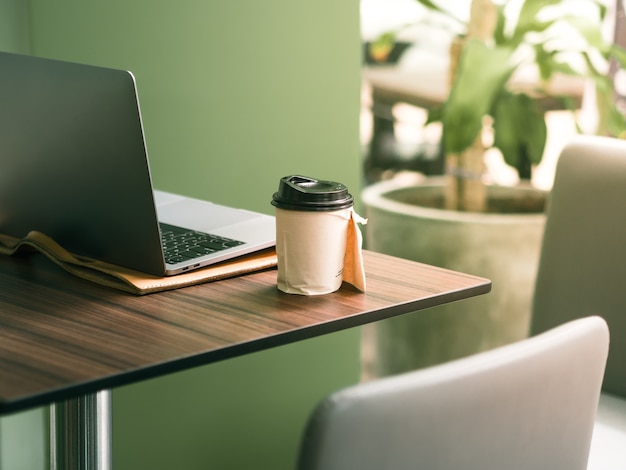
{"x":311,"y":247}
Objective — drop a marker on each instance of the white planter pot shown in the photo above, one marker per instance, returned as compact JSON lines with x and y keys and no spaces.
{"x":502,"y":247}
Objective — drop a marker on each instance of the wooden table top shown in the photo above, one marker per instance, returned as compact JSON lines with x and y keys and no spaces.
{"x":61,"y":336}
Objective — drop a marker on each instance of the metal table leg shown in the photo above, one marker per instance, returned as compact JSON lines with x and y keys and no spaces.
{"x":80,"y":433}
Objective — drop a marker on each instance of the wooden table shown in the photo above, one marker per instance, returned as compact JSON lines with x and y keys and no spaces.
{"x":66,"y":342}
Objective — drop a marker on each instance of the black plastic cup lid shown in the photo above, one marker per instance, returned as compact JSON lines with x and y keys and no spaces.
{"x":308,"y":194}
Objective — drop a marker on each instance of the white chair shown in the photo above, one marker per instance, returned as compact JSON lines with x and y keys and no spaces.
{"x":528,"y":405}
{"x":582,"y":271}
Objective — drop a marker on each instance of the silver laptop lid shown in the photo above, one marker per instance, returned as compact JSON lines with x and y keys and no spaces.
{"x":74,"y":163}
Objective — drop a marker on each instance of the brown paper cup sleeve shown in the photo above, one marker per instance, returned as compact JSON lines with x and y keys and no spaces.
{"x":353,"y":269}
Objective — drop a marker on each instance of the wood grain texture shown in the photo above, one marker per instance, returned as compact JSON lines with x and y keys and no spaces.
{"x":62,"y":336}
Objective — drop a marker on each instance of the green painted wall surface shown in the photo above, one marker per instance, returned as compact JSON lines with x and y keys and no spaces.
{"x":234,"y":95}
{"x":14,"y":28}
{"x":24,"y":440}
{"x":23,"y":443}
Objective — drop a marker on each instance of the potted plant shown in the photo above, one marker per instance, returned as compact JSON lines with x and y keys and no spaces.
{"x":494,"y":46}
{"x":462,"y":223}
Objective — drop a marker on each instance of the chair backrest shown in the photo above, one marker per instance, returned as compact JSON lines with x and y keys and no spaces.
{"x":528,"y":405}
{"x":582,"y":267}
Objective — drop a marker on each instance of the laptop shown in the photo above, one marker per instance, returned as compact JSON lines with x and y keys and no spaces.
{"x":74,"y":166}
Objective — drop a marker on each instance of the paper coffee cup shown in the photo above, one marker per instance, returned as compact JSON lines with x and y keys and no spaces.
{"x":312,"y":218}
{"x":311,"y":247}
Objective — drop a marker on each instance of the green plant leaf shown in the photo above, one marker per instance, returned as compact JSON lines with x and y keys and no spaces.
{"x":434,"y":115}
{"x":616,"y":123}
{"x":433,"y":6}
{"x":611,"y":121}
{"x":527,"y":20}
{"x":592,"y":70}
{"x":549,"y":66}
{"x":590,"y":30}
{"x":438,"y":9}
{"x":481,"y":75}
{"x":380,"y":48}
{"x":619,"y":54}
{"x":521,"y":34}
{"x":520,"y":130}
{"x":545,"y":61}
{"x":499,"y":33}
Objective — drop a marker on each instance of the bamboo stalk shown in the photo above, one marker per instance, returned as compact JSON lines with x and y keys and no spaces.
{"x":465,"y":189}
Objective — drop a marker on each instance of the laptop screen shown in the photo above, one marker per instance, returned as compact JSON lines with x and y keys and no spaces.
{"x":74,"y":162}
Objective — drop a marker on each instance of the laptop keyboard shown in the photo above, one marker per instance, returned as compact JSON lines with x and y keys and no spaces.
{"x":180,"y":244}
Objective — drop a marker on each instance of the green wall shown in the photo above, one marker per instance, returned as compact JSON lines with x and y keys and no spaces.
{"x":234,"y":95}
{"x":14,"y":26}
{"x":23,"y":440}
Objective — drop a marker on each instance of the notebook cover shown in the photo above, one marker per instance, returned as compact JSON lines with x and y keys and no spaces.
{"x":129,"y":280}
